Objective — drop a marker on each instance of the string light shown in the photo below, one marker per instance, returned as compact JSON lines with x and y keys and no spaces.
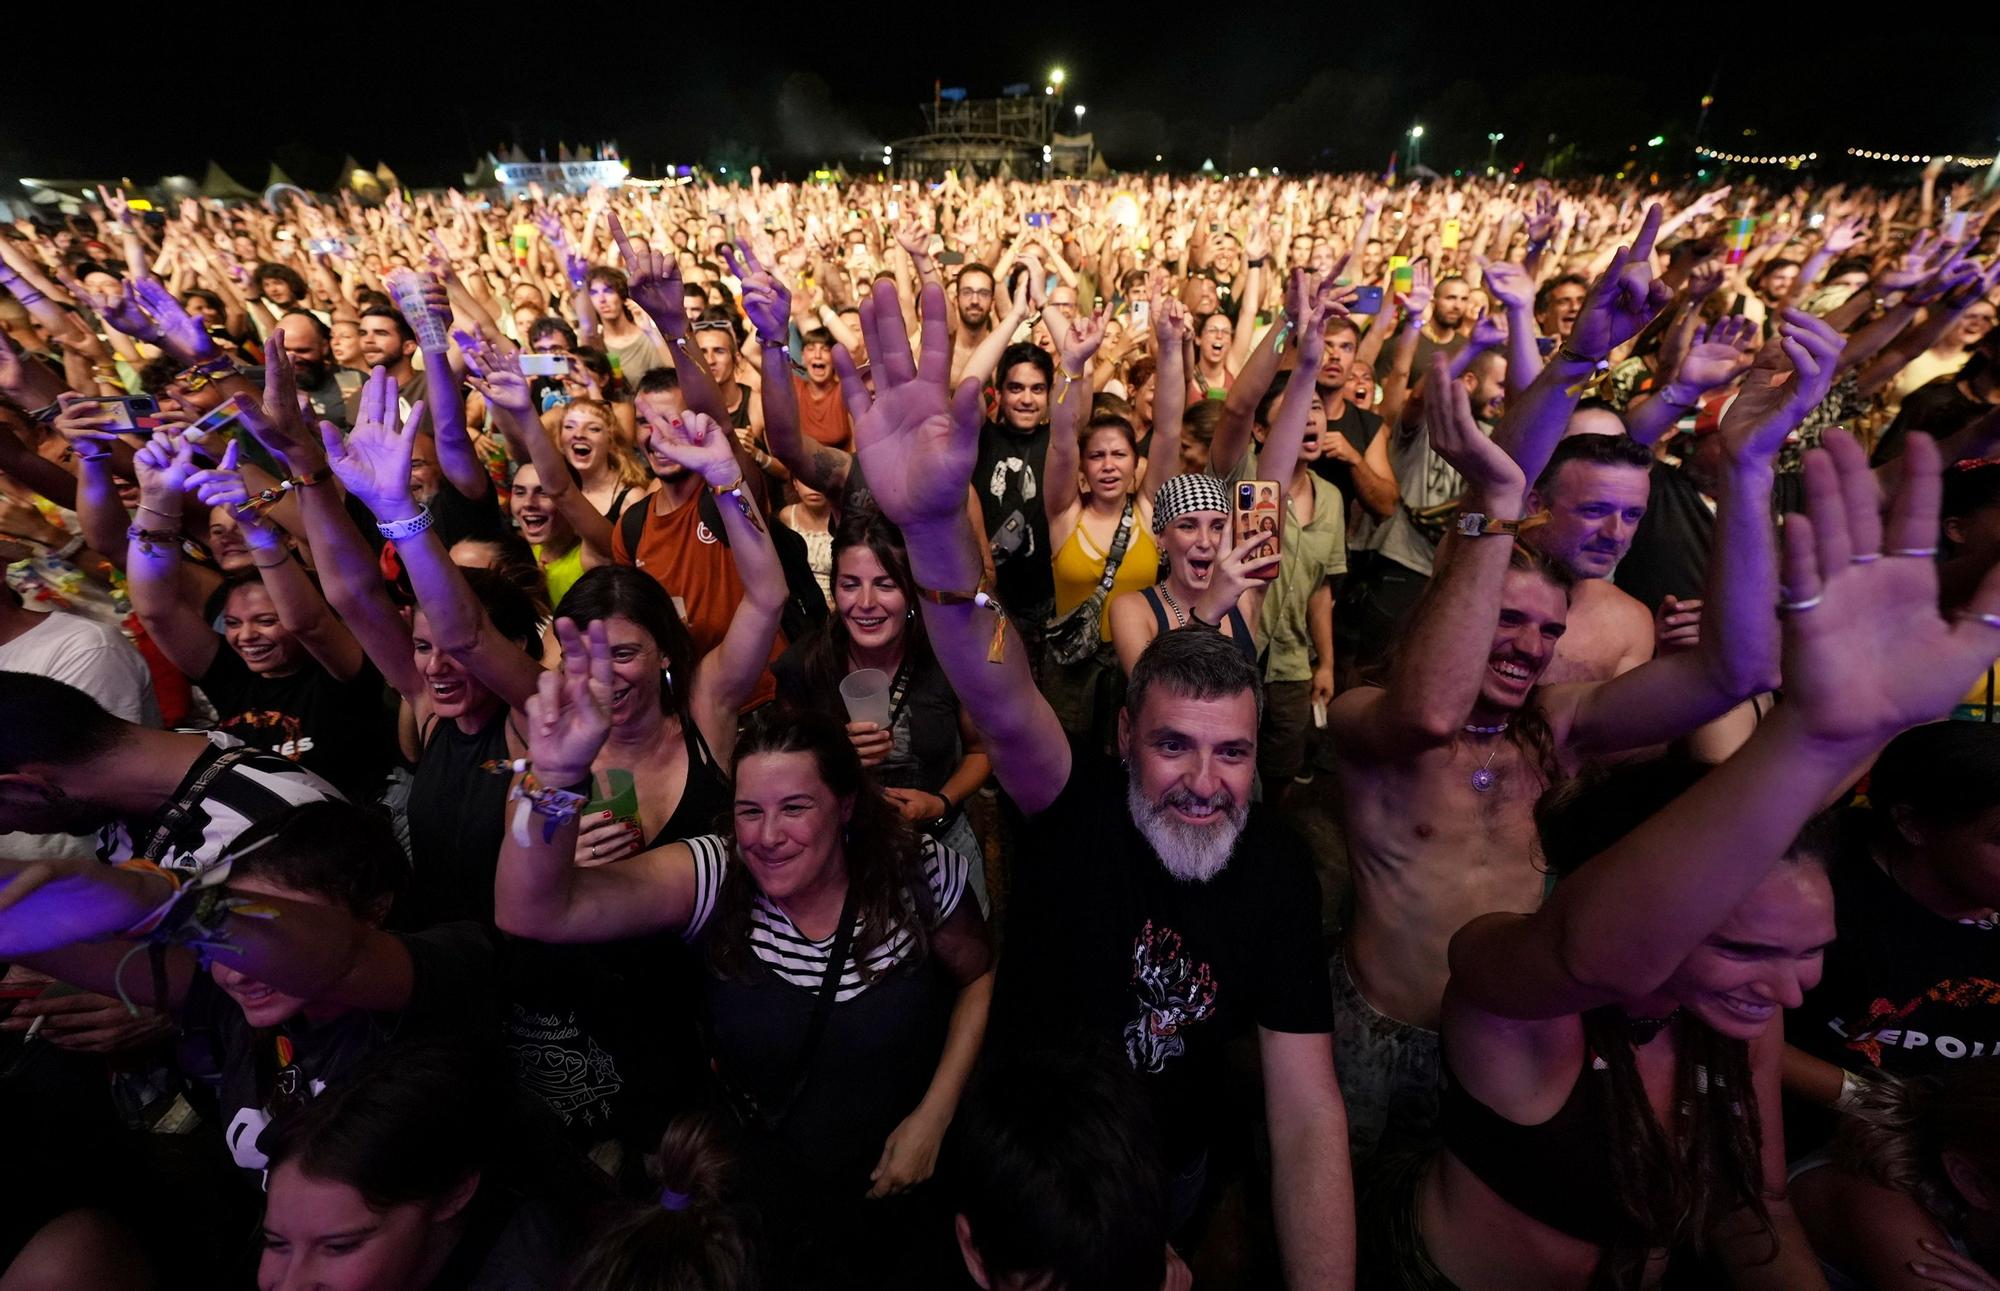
{"x":1918,"y":158}
{"x":1794,"y":160}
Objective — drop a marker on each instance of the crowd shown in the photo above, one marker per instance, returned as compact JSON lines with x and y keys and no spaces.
{"x":1071,"y":735}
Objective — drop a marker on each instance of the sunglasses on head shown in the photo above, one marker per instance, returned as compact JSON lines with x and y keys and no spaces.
{"x":713,"y":325}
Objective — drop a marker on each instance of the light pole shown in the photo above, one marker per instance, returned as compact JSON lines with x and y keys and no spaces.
{"x":1079,"y":116}
{"x":1493,"y":139}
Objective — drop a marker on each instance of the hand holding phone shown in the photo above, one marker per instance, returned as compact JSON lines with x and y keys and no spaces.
{"x":1255,"y":515}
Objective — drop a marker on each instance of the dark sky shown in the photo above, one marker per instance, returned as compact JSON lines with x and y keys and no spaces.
{"x":1313,"y":92}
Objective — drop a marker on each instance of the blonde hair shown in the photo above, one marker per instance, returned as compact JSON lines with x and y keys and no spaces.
{"x":621,"y":452}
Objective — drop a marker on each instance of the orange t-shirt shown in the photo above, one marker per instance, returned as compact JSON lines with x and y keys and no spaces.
{"x":822,"y":413}
{"x":684,"y":557}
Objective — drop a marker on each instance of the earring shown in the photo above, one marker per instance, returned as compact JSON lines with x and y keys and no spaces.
{"x":666,"y":677}
{"x":910,"y":613}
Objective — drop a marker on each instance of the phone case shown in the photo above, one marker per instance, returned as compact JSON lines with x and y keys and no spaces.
{"x":1255,"y":511}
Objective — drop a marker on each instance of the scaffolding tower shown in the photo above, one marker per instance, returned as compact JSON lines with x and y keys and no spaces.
{"x":1014,"y":135}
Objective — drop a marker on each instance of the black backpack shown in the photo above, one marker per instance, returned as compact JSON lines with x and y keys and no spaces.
{"x":805,"y":603}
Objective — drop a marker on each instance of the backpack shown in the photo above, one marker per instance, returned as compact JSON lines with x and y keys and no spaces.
{"x":805,"y":604}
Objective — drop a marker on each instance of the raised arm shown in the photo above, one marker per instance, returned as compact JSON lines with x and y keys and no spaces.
{"x":1717,"y":356}
{"x":1737,"y":656}
{"x":918,"y":452}
{"x":1436,"y":676}
{"x":1509,"y":284}
{"x":1163,"y":455}
{"x":496,"y":375}
{"x":729,"y":673}
{"x":1257,"y":250}
{"x":1866,"y":655}
{"x":426,"y":304}
{"x":374,"y":463}
{"x":1069,"y":414}
{"x":301,"y":608}
{"x":1621,"y":302}
{"x":349,"y":576}
{"x":538,"y":890}
{"x":153,"y":557}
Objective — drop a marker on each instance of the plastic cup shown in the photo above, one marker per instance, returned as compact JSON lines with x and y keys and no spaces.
{"x":622,"y":800}
{"x":865,"y":691}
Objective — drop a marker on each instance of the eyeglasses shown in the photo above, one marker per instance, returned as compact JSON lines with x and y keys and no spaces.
{"x":969,"y":293}
{"x":714,"y":325}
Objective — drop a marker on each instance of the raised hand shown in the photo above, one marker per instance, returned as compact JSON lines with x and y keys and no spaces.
{"x":569,"y":714}
{"x":1416,"y":302}
{"x":1718,"y":356}
{"x":1867,"y":653}
{"x":1705,"y":279}
{"x":77,"y":421}
{"x":654,"y":280}
{"x":164,"y":466}
{"x":495,"y":372}
{"x":121,"y":310}
{"x":279,"y":424}
{"x":1506,"y":282}
{"x":765,"y":298}
{"x":913,"y":237}
{"x":1237,"y":572}
{"x":695,"y":441}
{"x":916,"y":449}
{"x":373,"y":460}
{"x":1543,"y":214}
{"x":1846,"y":234}
{"x":1487,"y":333}
{"x":1491,"y":476}
{"x":1625,"y":299}
{"x":1788,"y":380}
{"x":180,"y":334}
{"x":1080,"y":340}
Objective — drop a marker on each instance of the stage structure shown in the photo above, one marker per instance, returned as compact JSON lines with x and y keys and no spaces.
{"x":1013,"y":136}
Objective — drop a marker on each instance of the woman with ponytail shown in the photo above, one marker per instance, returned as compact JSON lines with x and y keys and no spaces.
{"x":695,"y":1237}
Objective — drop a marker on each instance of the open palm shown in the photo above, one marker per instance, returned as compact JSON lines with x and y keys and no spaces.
{"x":373,"y":461}
{"x":916,"y":449}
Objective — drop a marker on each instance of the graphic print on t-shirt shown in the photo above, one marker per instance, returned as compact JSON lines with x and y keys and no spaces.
{"x":1172,"y":992}
{"x":1878,"y":1030}
{"x":578,"y":1083}
{"x":292,"y":741}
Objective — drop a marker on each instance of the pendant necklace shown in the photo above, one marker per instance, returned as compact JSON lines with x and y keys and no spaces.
{"x":1484,"y":778}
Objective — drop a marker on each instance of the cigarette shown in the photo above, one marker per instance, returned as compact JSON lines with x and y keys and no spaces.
{"x":35,"y":1026}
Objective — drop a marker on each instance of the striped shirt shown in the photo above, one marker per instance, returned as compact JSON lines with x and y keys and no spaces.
{"x":255,"y":787}
{"x":790,"y":953}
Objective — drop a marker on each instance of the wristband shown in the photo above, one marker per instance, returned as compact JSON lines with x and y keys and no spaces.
{"x":996,"y":652}
{"x":1257,"y":262}
{"x":1195,"y":620}
{"x":264,"y":500}
{"x":1852,"y":1090}
{"x":398,"y":530}
{"x":219,"y":366}
{"x":146,"y":538}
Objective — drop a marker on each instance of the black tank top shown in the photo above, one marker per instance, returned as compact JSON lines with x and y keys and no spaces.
{"x":705,"y":797}
{"x":1556,"y":1172}
{"x":1239,"y":631}
{"x":458,"y":813}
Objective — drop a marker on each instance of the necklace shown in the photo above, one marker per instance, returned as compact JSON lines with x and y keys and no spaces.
{"x":1484,"y":779}
{"x":1180,"y":618}
{"x":1642,"y":1030}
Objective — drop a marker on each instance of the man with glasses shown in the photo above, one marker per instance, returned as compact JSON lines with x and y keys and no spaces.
{"x":972,"y":301}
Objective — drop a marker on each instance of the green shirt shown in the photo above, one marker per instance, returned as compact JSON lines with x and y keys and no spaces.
{"x":1309,"y":554}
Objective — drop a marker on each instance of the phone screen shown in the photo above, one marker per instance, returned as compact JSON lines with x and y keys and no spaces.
{"x":1255,"y":514}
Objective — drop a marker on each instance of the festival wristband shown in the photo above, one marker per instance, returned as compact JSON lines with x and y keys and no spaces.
{"x":398,"y":530}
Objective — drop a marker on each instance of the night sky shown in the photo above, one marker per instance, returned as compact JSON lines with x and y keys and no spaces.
{"x":1316,"y":93}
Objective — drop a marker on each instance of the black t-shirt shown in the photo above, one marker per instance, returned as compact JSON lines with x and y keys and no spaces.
{"x":1671,"y":546}
{"x":1937,"y":409}
{"x":1103,"y":940}
{"x":1359,"y":426}
{"x":1905,"y":991}
{"x":1009,"y":478}
{"x":458,"y":817}
{"x":337,"y":729}
{"x":252,"y":1069}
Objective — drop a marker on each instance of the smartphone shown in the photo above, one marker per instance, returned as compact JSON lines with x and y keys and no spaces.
{"x":1401,"y":273}
{"x":1256,"y":514}
{"x":28,"y":991}
{"x":1545,"y":345}
{"x":1038,"y":219}
{"x":1367,"y":300}
{"x":215,"y":419}
{"x":1448,"y":235}
{"x":1955,"y":231}
{"x":328,"y":246}
{"x":951,"y":257}
{"x":1816,"y":219}
{"x":123,"y":411}
{"x":1142,"y":313}
{"x":544,"y":365}
{"x":896,"y":210}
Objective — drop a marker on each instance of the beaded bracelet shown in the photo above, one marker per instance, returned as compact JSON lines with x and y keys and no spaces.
{"x":997,"y":651}
{"x":268,"y":498}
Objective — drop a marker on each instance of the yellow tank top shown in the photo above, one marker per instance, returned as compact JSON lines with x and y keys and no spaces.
{"x":561,"y":572}
{"x":1079,"y":564}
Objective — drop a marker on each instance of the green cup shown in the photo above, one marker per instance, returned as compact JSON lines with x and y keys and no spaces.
{"x":623,"y":803}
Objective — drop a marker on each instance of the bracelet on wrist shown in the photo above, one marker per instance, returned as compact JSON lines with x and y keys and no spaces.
{"x":399,"y":530}
{"x":264,"y":500}
{"x":996,"y":652}
{"x":151,"y":540}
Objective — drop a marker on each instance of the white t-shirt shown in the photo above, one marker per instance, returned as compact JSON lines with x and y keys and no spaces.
{"x":95,"y":658}
{"x":91,"y":656}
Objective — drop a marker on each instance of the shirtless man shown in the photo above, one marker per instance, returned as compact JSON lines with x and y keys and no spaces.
{"x":973,"y":297}
{"x":1594,"y":493}
{"x":1440,"y":769}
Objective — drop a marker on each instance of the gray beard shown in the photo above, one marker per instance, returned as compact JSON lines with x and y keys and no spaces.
{"x":1195,"y":853}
